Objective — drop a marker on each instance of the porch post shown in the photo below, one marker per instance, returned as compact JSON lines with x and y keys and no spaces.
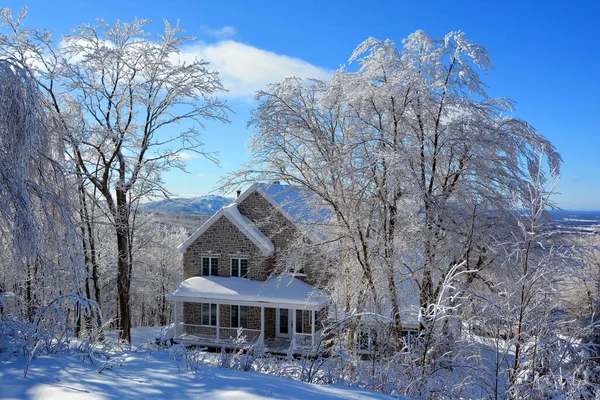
{"x":176,"y":318}
{"x":218,"y":321}
{"x":262,"y":325}
{"x":312,"y":339}
{"x":293,"y":318}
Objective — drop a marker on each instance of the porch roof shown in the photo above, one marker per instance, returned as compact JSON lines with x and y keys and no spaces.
{"x":280,"y":292}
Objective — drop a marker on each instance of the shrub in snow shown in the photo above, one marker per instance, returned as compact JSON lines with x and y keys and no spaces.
{"x":188,"y":357}
{"x":51,"y":328}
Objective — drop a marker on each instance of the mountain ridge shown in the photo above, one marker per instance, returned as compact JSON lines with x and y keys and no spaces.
{"x":205,"y":205}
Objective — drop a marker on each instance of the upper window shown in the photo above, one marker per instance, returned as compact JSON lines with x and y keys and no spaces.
{"x":210,"y":266}
{"x":239,"y":267}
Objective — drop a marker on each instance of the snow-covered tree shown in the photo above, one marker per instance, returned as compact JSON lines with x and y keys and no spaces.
{"x":157,"y":271}
{"x":41,"y":274}
{"x":119,"y":94}
{"x":37,"y":231}
{"x":415,"y":160}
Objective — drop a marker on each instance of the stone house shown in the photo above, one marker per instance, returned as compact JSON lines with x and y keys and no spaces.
{"x":230,"y":293}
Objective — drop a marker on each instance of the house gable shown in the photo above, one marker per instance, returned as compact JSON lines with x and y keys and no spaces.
{"x":245,"y":226}
{"x":268,"y":194}
{"x":256,"y":227}
{"x":222,"y":239}
{"x":273,"y":221}
{"x":281,"y":212}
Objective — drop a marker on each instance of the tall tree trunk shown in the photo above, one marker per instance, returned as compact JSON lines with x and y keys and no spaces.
{"x":389,"y":257}
{"x":520,"y":319}
{"x":28,"y":290}
{"x":123,"y":264}
{"x":425,"y":295}
{"x":93,"y":255}
{"x":89,"y":245}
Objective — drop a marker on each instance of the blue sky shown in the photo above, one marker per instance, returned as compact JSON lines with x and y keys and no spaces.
{"x":546,"y":56}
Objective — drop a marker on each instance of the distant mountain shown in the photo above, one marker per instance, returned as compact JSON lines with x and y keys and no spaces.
{"x":205,"y":205}
{"x":583,"y":222}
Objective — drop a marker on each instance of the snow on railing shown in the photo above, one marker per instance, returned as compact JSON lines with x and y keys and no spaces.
{"x":242,"y":335}
{"x":305,"y":339}
{"x":199,"y":330}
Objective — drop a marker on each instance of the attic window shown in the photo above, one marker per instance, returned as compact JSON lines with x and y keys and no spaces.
{"x":239,"y":267}
{"x":210,"y":266}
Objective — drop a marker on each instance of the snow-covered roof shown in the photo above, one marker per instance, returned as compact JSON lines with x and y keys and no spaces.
{"x":246,"y":226}
{"x":295,"y":204}
{"x":282,"y":291}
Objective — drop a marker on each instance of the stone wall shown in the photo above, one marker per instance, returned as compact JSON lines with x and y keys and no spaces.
{"x":270,"y":221}
{"x":270,"y":318}
{"x":224,"y":241}
{"x":254,"y":318}
{"x":280,"y":230}
{"x":225,"y":316}
{"x":192,"y":313}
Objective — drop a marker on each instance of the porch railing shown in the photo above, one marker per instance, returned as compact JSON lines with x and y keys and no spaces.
{"x":305,"y":339}
{"x":226,"y":335}
{"x":243,"y":335}
{"x":198,"y":330}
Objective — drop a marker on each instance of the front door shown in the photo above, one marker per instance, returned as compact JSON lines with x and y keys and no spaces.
{"x":285,"y":322}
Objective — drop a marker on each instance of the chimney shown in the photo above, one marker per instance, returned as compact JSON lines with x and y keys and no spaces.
{"x":239,"y":192}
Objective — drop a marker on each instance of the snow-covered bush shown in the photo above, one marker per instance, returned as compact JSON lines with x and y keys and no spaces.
{"x":51,"y":328}
{"x":188,"y":357}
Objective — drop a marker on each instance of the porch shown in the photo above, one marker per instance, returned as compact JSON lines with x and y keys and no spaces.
{"x":282,"y":314}
{"x":235,"y":338}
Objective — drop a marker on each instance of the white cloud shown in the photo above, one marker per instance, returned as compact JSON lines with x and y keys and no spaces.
{"x":200,"y":175}
{"x":187,"y":156}
{"x":245,"y":69}
{"x":220,"y":33}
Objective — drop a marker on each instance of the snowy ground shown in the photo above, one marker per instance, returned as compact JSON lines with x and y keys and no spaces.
{"x":152,"y":375}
